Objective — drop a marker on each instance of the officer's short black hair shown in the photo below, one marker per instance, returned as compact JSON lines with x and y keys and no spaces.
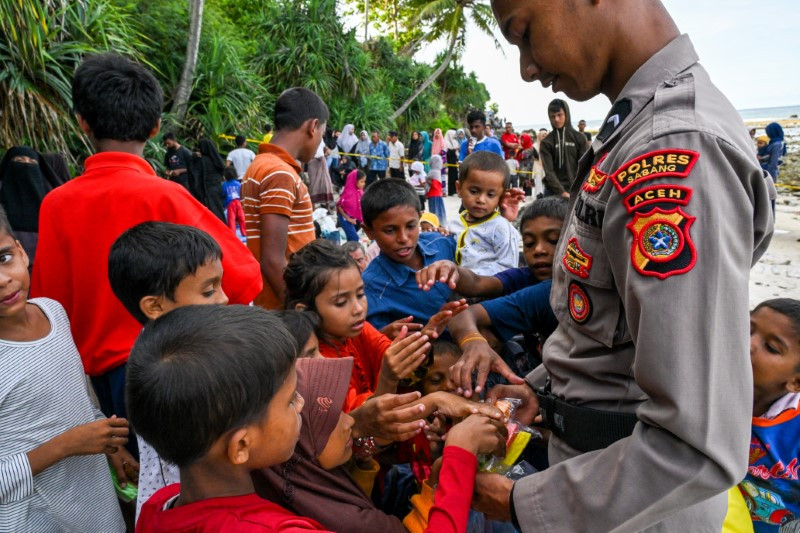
{"x":240,"y":140}
{"x":153,"y":258}
{"x":202,"y":371}
{"x":297,"y":105}
{"x":169,"y":136}
{"x":487,"y":162}
{"x":382,"y":195}
{"x":118,"y":98}
{"x":476,"y":115}
{"x":552,"y":206}
{"x":557,"y":105}
{"x":5,"y":225}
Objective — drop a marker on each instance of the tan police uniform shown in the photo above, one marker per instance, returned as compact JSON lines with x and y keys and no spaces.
{"x":668,"y":214}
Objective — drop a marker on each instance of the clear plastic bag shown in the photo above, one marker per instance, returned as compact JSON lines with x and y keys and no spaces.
{"x":519,"y":435}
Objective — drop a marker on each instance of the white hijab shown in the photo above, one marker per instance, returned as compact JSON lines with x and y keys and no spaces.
{"x":347,"y":139}
{"x":450,"y":140}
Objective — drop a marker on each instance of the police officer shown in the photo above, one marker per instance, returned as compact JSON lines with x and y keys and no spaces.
{"x":649,"y":393}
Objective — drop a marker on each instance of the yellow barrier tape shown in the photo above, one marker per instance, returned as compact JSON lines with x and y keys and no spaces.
{"x":446,"y":165}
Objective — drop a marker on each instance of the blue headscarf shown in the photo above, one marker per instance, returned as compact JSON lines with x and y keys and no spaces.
{"x":775,"y":133}
{"x":427,"y":145}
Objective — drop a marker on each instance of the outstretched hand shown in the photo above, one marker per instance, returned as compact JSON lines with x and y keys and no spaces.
{"x":392,"y":330}
{"x":442,"y":271}
{"x":510,"y":203}
{"x":390,"y":417}
{"x":478,"y":355}
{"x":438,"y":322}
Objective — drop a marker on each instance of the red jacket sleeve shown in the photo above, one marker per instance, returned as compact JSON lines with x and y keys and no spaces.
{"x":450,"y":511}
{"x":375,"y":345}
{"x":241,"y":279}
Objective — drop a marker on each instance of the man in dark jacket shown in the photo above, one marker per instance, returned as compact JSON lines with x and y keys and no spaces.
{"x":561,"y":150}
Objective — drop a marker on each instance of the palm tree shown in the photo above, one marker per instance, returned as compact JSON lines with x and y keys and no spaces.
{"x":184,"y":89}
{"x":42,"y":42}
{"x":450,"y":18}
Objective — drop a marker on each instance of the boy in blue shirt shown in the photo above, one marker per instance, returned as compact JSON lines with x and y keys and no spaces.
{"x":391,"y":212}
{"x":232,"y":190}
{"x":479,"y":141}
{"x":771,"y":487}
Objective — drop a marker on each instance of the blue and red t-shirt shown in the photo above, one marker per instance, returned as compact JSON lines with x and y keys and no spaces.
{"x":771,"y":488}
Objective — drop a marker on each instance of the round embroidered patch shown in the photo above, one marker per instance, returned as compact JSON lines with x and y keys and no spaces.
{"x":660,"y":241}
{"x":580,"y":307}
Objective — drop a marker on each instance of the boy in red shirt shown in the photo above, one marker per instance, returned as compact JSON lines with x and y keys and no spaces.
{"x":118,"y":105}
{"x":214,"y":390}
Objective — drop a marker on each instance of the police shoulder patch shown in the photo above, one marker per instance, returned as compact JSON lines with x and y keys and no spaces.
{"x":580,"y":306}
{"x":672,"y":162}
{"x":658,"y":194}
{"x":596,"y":179}
{"x":576,"y":260}
{"x":662,"y":246}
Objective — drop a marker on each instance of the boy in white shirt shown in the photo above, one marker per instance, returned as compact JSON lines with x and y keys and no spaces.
{"x":486,"y":243}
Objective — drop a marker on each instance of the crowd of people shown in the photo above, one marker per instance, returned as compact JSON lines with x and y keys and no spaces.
{"x":579,"y":361}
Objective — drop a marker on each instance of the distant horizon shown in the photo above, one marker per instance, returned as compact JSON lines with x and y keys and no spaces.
{"x":593,"y":123}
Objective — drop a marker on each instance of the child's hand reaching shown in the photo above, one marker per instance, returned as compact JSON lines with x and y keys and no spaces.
{"x":478,"y":434}
{"x":392,"y":330}
{"x":404,"y":355}
{"x":442,"y":271}
{"x":438,"y":322}
{"x":454,"y":406}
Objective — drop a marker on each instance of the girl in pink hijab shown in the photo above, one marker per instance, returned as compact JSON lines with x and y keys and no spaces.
{"x":439,"y":148}
{"x":349,"y":206}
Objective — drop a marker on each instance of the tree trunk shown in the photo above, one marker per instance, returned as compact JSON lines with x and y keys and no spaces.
{"x":184,"y":90}
{"x":436,"y":73}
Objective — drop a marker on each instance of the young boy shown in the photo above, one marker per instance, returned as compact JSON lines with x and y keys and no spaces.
{"x":487,"y":243}
{"x":771,"y":488}
{"x":277,"y":206}
{"x":153,"y":268}
{"x":479,"y":140}
{"x":213,"y":388}
{"x":232,"y":189}
{"x":118,"y":105}
{"x":53,"y":475}
{"x":391,"y":212}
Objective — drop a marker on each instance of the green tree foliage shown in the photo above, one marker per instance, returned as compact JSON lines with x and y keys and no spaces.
{"x":250,"y":51}
{"x":41,"y":44}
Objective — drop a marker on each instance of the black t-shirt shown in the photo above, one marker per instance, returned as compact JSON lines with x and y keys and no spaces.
{"x":175,"y":159}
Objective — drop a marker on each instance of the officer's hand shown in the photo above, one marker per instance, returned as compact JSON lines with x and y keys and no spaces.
{"x":492,"y":496}
{"x":528,"y":409}
{"x":477,"y":355}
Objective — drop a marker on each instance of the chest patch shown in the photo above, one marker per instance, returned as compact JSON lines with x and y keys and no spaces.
{"x":662,"y":246}
{"x":576,"y":260}
{"x":580,"y":306}
{"x":675,"y":163}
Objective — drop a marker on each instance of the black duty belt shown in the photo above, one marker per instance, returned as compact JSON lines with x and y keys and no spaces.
{"x":583,"y":428}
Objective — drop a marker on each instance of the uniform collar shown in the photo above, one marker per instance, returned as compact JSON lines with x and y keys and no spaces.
{"x":398,"y":272}
{"x":664,"y":65}
{"x":117,"y":159}
{"x":282,"y":154}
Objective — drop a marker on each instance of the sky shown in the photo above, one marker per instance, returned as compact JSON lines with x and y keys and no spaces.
{"x":749,"y":47}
